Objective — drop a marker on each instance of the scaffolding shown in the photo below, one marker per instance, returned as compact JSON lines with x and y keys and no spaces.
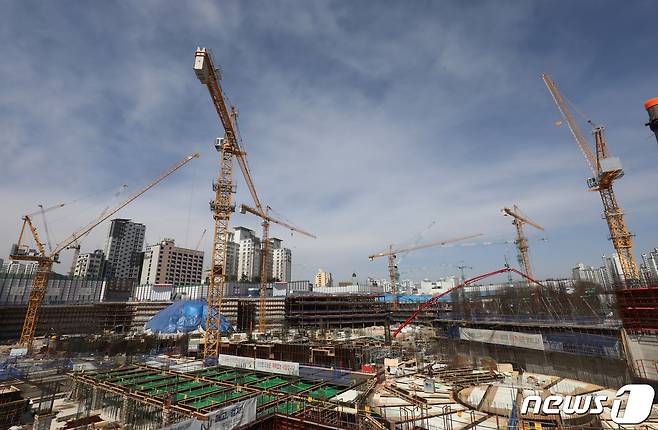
{"x":147,"y":398}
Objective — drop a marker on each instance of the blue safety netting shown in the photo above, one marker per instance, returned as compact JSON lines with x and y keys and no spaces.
{"x":182,"y":317}
{"x":409,"y":298}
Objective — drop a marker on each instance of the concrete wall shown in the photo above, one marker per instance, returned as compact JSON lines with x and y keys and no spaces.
{"x":642,"y":352}
{"x":602,"y":371}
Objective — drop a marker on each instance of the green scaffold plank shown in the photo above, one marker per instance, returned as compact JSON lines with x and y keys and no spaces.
{"x":269,"y":383}
{"x":294,"y":388}
{"x":195,"y":393}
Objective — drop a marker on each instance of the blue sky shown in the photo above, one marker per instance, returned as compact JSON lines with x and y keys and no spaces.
{"x":363,"y":121}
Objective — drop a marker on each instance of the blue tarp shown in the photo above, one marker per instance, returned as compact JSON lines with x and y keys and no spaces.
{"x":183,"y":317}
{"x":584,"y":343}
{"x":407,"y":298}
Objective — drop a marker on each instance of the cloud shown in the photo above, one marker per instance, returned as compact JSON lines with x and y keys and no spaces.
{"x":362,"y":123}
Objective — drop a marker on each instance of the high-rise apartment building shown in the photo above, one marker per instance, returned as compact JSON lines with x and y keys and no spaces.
{"x":244,"y":254}
{"x":231,"y":263}
{"x":586,"y":274}
{"x":249,"y":254}
{"x":323,"y":279}
{"x":650,"y":266}
{"x":165,"y":263}
{"x":613,"y":269}
{"x":123,"y":249}
{"x":90,"y":265}
{"x":282,"y":264}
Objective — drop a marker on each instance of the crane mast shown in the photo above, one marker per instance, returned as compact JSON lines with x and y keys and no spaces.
{"x":264,"y":256}
{"x":605,"y":169}
{"x":267,"y":219}
{"x":521,"y":239}
{"x":46,"y":261}
{"x":222,"y":206}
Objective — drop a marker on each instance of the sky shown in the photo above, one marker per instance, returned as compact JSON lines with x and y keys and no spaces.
{"x":364,"y":123}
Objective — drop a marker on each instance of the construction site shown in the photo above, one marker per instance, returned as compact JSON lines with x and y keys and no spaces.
{"x":261,"y":353}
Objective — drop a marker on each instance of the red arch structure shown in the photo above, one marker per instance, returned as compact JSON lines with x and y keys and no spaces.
{"x":435,"y":299}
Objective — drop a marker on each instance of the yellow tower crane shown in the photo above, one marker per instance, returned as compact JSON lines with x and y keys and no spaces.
{"x":392,"y":255}
{"x":222,"y":206}
{"x":46,"y":260}
{"x":521,"y":239}
{"x":605,"y":170}
{"x":267,"y":219}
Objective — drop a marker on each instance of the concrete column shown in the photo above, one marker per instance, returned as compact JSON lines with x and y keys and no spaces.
{"x":42,"y":421}
{"x":166,"y":416}
{"x":125,"y":413}
{"x":95,"y":399}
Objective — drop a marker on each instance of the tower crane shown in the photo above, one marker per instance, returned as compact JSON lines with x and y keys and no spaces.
{"x":267,"y":219}
{"x":228,"y":147}
{"x":42,"y":211}
{"x":521,"y":239}
{"x":461,"y":268}
{"x":46,"y":260}
{"x":392,"y":253}
{"x":605,"y":170}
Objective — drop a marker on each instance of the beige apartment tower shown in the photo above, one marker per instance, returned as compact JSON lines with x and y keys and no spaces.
{"x":165,"y":263}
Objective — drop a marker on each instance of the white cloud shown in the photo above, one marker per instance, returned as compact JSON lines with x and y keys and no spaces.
{"x":361,"y":127}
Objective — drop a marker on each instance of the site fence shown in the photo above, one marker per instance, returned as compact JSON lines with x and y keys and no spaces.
{"x":25,"y":369}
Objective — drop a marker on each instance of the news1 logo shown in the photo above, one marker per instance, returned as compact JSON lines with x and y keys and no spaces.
{"x":638,"y":406}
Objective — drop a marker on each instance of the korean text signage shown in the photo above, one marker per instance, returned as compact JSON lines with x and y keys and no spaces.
{"x":638,"y":405}
{"x":259,"y":364}
{"x":228,"y":418}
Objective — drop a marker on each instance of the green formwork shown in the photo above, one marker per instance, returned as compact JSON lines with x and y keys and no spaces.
{"x":264,"y":399}
{"x":269,"y":383}
{"x":128,"y":376}
{"x":294,"y":388}
{"x":175,"y":388}
{"x":228,"y":395}
{"x":117,"y":374}
{"x":187,"y":391}
{"x":198,"y":392}
{"x":246,"y":379}
{"x":155,"y":384}
{"x":324,"y":393}
{"x":130,"y":381}
{"x":140,"y":381}
{"x":224,"y":376}
{"x":287,"y":408}
{"x":215,"y":400}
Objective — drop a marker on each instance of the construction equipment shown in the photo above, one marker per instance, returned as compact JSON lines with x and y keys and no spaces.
{"x":198,"y":244}
{"x":461,"y":268}
{"x":230,"y":146}
{"x":521,"y":239}
{"x":651,"y":106}
{"x":392,"y":266}
{"x":46,"y":260}
{"x":605,"y":169}
{"x":265,"y":243}
{"x":435,"y":299}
